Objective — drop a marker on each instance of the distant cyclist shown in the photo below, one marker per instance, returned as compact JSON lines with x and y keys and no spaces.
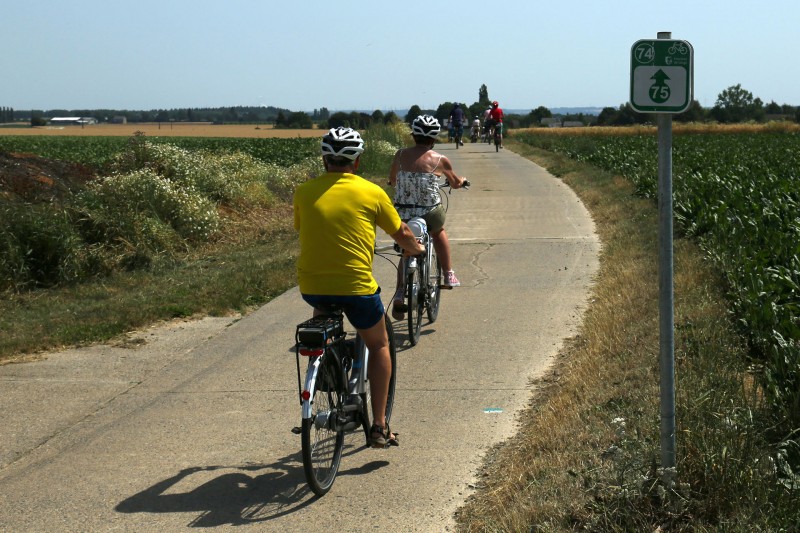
{"x":475,"y":130}
{"x":488,"y":124}
{"x":496,"y":115}
{"x":336,"y":214}
{"x":457,"y":120}
{"x":415,"y":174}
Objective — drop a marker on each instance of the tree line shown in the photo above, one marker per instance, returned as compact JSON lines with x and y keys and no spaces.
{"x":734,"y":104}
{"x":6,"y":114}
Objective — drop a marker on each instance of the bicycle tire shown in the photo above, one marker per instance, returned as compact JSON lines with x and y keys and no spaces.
{"x":322,"y":446}
{"x":434,"y":288}
{"x":366,"y":397}
{"x":416,"y":304}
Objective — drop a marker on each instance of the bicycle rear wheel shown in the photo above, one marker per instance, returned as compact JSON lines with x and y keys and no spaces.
{"x":434,"y":288}
{"x":322,"y":443}
{"x":416,"y":303}
{"x":366,"y":397}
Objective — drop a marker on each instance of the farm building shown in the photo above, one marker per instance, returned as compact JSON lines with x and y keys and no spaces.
{"x":60,"y":121}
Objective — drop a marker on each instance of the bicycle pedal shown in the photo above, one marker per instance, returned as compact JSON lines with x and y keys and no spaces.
{"x":297,"y":430}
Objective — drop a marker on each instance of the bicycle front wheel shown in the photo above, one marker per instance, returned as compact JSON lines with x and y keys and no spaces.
{"x":322,"y":442}
{"x":416,"y":304}
{"x":434,"y":287}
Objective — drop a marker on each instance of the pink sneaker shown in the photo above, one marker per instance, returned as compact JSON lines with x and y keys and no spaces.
{"x":450,"y":279}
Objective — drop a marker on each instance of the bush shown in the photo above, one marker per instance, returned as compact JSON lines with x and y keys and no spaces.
{"x":145,"y":213}
{"x":39,"y":246}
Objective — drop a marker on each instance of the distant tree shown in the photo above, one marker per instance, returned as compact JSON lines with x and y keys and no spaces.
{"x":535,"y":116}
{"x":694,"y":113}
{"x":339,"y":120}
{"x":477,"y":109}
{"x":773,"y":108}
{"x":483,"y":95}
{"x":625,"y":115}
{"x":377,"y":116}
{"x":413,"y":113}
{"x":280,"y":120}
{"x":324,"y":114}
{"x":736,"y":104}
{"x":298,"y":120}
{"x":391,"y":118}
{"x":607,"y":116}
{"x":443,"y":111}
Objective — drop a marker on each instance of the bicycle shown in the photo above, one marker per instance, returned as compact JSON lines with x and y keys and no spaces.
{"x":498,"y":136}
{"x":335,"y":395}
{"x":423,"y":278}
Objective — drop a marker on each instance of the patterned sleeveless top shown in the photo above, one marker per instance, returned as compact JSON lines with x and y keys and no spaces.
{"x":416,"y":193}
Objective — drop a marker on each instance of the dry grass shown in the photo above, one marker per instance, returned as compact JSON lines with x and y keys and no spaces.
{"x":174,"y":129}
{"x":573,"y":462}
{"x":540,"y":478}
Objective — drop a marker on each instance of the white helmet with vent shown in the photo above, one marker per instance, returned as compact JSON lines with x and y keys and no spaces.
{"x":342,"y":142}
{"x":426,"y":125}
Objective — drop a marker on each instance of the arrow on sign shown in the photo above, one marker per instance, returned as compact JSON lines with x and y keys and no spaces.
{"x":659,"y":91}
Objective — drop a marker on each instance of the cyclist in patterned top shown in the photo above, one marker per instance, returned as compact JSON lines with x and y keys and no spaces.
{"x":415,"y":174}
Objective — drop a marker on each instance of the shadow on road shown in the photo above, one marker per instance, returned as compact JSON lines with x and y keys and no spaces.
{"x":237,"y":496}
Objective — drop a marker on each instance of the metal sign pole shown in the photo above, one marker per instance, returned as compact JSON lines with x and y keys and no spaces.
{"x":665,"y":286}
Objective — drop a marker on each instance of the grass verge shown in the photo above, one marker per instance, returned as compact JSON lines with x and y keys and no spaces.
{"x":588,"y":452}
{"x":229,"y":277}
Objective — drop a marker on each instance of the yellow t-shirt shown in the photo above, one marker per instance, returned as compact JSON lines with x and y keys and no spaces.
{"x":336,"y":214}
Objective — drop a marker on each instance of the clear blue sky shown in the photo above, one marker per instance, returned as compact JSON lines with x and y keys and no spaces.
{"x":346,"y":54}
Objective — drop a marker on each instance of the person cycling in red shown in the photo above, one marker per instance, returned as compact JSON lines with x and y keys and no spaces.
{"x":496,"y":115}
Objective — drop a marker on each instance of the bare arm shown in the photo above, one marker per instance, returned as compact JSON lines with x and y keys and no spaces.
{"x":450,"y":174}
{"x":394,"y":168}
{"x":404,"y":237}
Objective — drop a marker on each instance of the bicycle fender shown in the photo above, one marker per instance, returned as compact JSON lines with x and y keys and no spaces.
{"x":310,"y":385}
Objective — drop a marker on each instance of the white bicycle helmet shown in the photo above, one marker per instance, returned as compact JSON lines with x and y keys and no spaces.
{"x":342,"y":142}
{"x":426,"y":125}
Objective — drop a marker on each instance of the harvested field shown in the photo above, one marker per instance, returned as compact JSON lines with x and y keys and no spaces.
{"x":176,"y":129}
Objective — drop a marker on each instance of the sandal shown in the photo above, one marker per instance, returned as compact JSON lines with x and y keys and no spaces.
{"x":384,"y":439}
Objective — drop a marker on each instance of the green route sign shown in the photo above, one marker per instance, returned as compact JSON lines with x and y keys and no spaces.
{"x":662,"y":72}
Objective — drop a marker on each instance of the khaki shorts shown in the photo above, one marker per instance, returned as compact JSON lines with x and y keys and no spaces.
{"x":435,"y":219}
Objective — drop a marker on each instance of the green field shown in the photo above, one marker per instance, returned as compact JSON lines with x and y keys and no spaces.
{"x":99,"y":151}
{"x":739,"y":194}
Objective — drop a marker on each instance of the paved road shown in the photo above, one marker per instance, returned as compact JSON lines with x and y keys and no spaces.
{"x":188,"y":425}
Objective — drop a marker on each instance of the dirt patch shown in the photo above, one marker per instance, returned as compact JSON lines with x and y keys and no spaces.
{"x":30,"y":178}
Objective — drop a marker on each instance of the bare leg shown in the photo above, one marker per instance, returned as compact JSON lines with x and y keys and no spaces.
{"x":380,"y":369}
{"x":442,"y":247}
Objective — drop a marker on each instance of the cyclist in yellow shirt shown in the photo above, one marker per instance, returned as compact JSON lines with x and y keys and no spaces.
{"x":336,"y":214}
